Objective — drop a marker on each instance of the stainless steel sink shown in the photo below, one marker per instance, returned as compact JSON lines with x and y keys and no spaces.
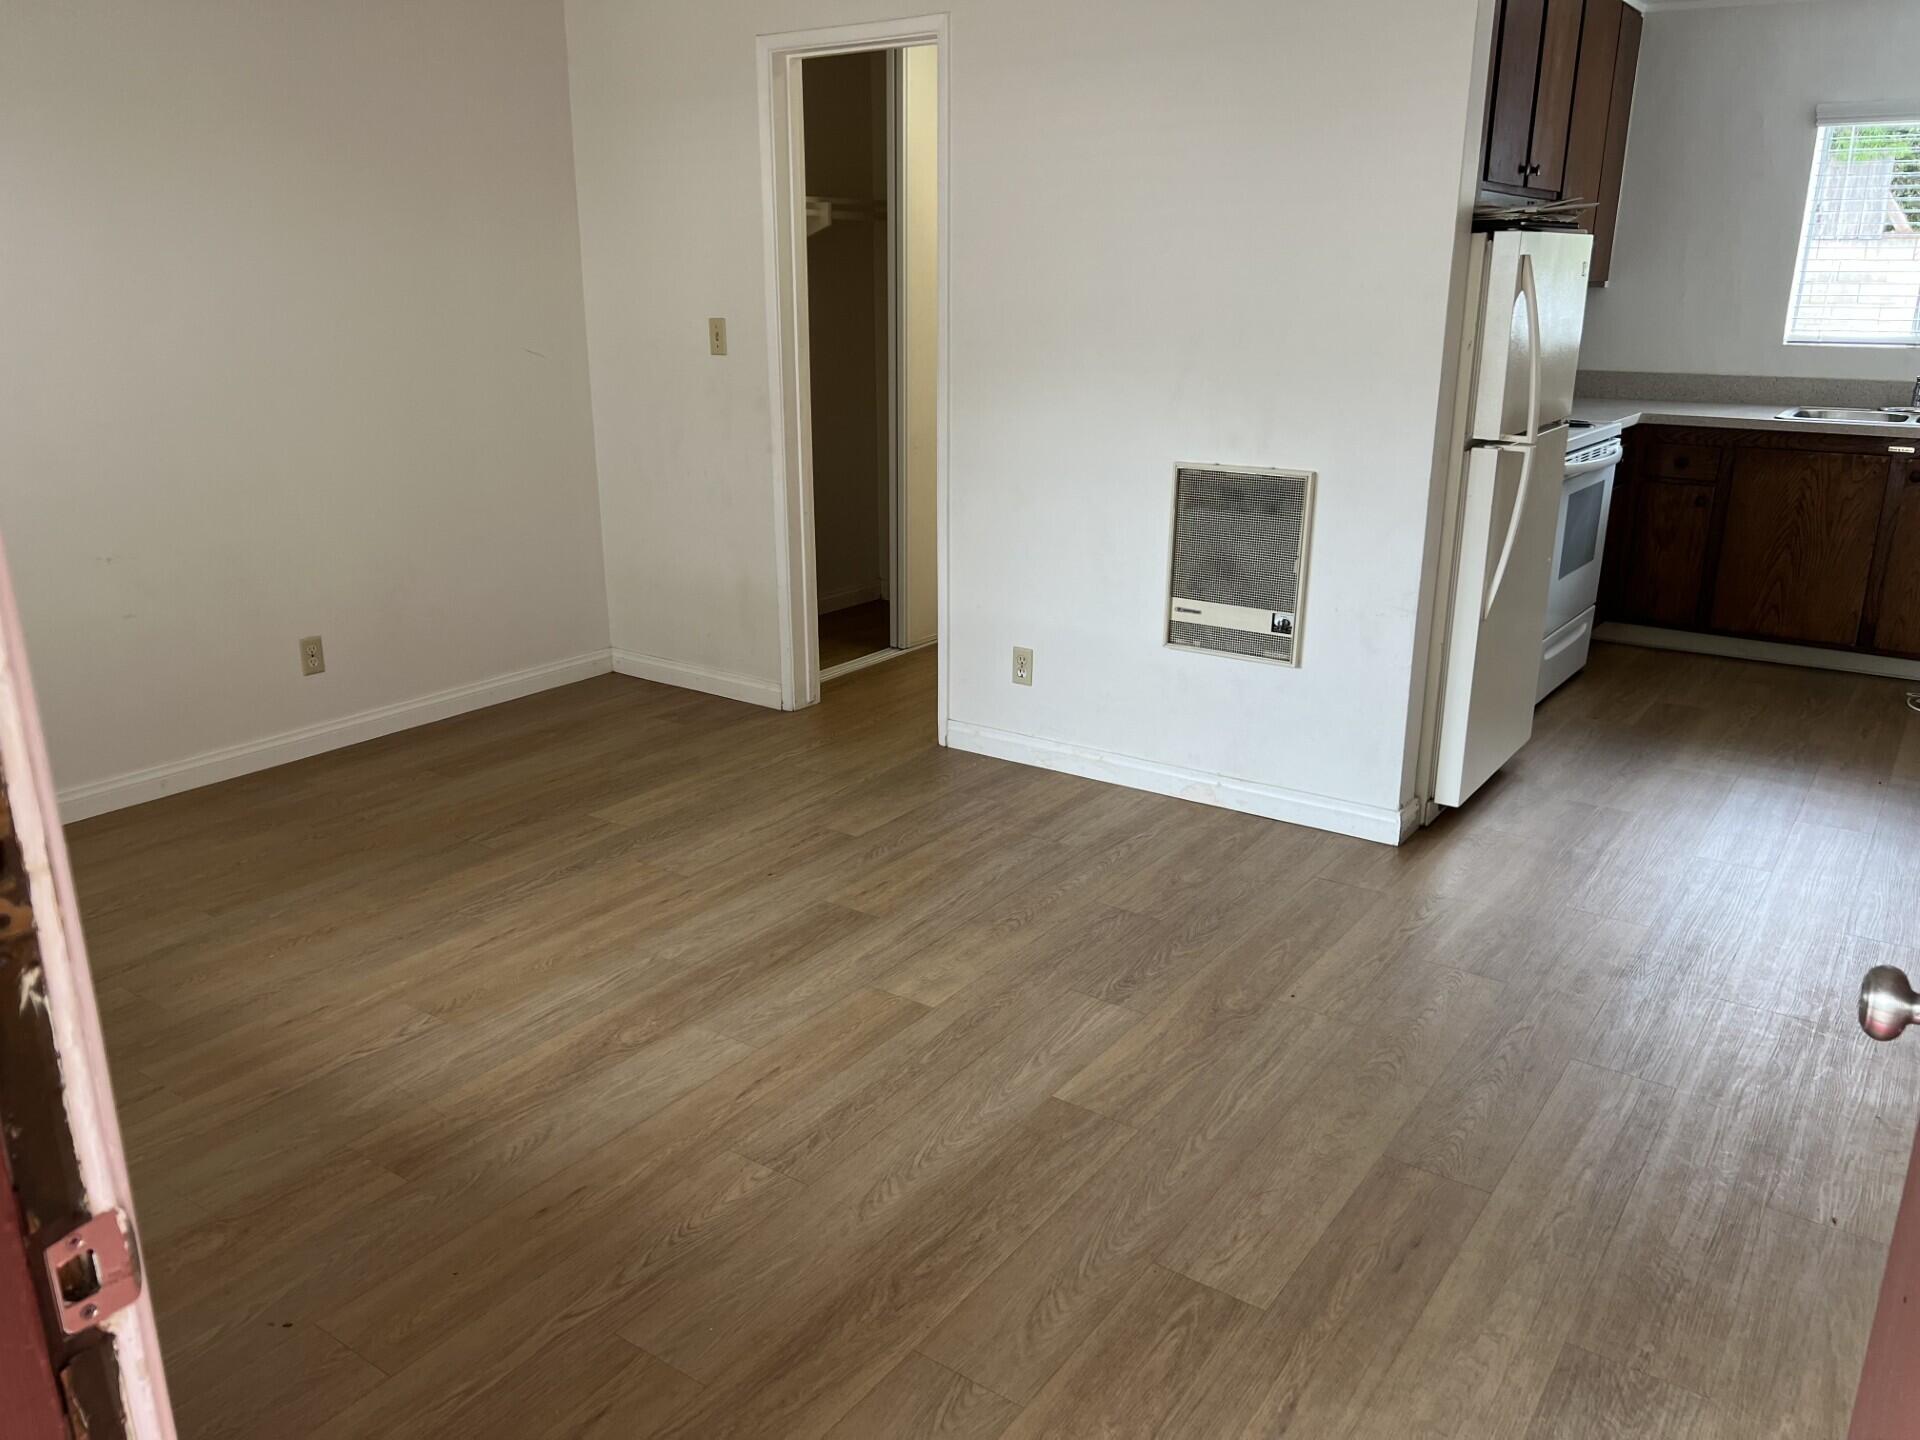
{"x":1849,"y":417}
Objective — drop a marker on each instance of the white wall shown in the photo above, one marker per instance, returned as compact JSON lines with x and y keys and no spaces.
{"x":1716,"y":177}
{"x":292,"y":342}
{"x":1157,"y":255}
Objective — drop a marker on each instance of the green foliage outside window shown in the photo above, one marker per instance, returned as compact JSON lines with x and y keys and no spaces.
{"x":1876,"y":144}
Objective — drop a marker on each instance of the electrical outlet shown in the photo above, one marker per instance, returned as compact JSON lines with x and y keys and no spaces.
{"x":717,"y":336}
{"x":1022,"y":665}
{"x":313,"y":657}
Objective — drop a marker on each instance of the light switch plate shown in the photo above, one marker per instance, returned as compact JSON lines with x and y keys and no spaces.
{"x":717,"y":336}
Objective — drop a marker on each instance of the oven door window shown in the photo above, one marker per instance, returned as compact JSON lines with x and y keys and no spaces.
{"x":1580,"y":530}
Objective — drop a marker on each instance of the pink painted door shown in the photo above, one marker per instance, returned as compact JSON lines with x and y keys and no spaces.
{"x":1887,"y":1406}
{"x":76,"y":1326}
{"x":26,"y":1369}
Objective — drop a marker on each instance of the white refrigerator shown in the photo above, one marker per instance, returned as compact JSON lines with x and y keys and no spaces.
{"x":1522,"y":352}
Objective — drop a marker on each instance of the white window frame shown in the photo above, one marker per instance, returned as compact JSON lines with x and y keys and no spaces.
{"x":1828,"y":118}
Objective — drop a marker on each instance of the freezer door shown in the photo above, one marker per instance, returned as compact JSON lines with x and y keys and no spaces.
{"x":1524,"y":272}
{"x":1509,"y":514}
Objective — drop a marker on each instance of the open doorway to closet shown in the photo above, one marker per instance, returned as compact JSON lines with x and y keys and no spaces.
{"x":866,"y":162}
{"x":872,"y":273}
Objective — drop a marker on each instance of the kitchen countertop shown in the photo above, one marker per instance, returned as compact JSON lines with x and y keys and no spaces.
{"x":1610,"y":417}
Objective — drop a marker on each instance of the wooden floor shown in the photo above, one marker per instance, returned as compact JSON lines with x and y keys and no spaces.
{"x":850,"y":633}
{"x":623,"y":1062}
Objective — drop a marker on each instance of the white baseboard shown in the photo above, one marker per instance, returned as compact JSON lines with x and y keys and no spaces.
{"x":1321,"y":812}
{"x":852,"y":595}
{"x":750,"y":688}
{"x":138,"y":786}
{"x":1694,"y":642}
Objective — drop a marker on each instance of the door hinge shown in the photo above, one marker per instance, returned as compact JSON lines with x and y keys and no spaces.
{"x":91,"y":1273}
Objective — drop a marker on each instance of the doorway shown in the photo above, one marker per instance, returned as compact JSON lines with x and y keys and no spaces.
{"x":852,"y":217}
{"x":856,"y":232}
{"x":870,"y":146}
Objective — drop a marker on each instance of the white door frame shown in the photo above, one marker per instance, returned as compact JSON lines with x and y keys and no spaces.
{"x":896,"y":354}
{"x":790,"y":386}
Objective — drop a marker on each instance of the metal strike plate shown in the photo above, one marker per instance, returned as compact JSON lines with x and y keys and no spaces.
{"x":91,"y":1274}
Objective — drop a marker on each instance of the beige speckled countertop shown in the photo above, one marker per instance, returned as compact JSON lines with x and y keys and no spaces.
{"x":1610,"y":417}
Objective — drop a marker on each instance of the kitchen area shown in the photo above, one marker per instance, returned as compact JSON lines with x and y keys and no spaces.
{"x":1787,"y":533}
{"x":1680,"y":659}
{"x":1742,"y":473}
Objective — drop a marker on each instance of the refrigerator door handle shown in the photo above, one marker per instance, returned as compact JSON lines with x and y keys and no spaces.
{"x":1513,"y":534}
{"x":1530,"y":292}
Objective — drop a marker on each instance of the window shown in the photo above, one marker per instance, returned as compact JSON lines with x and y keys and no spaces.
{"x":1858,"y":281}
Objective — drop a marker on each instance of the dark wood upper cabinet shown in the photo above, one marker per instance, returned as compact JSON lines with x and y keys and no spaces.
{"x":1535,"y":63}
{"x":1558,"y":103}
{"x":1893,"y":597}
{"x":1592,"y":102}
{"x":1553,"y":97}
{"x":1626,"y":64}
{"x":1799,"y":545}
{"x":1516,"y":79}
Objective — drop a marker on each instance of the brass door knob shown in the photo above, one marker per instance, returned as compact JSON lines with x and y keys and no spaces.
{"x":1887,"y":1003}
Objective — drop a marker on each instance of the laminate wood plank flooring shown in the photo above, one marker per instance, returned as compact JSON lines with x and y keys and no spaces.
{"x":852,"y":632}
{"x":626,"y":1062}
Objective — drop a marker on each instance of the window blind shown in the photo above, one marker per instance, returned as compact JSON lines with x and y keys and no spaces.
{"x":1858,"y":280}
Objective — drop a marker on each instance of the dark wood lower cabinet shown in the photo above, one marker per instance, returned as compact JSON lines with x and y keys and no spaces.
{"x":1791,"y":537}
{"x":1667,"y":536}
{"x":1798,"y":546}
{"x":1893,"y":600}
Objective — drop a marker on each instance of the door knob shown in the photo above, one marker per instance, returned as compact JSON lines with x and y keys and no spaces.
{"x":1887,"y":1003}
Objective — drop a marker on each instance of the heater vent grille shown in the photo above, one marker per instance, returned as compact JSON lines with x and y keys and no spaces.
{"x":1239,"y":560}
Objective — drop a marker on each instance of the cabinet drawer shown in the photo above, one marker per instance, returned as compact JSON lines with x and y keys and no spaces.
{"x":1683,"y":462}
